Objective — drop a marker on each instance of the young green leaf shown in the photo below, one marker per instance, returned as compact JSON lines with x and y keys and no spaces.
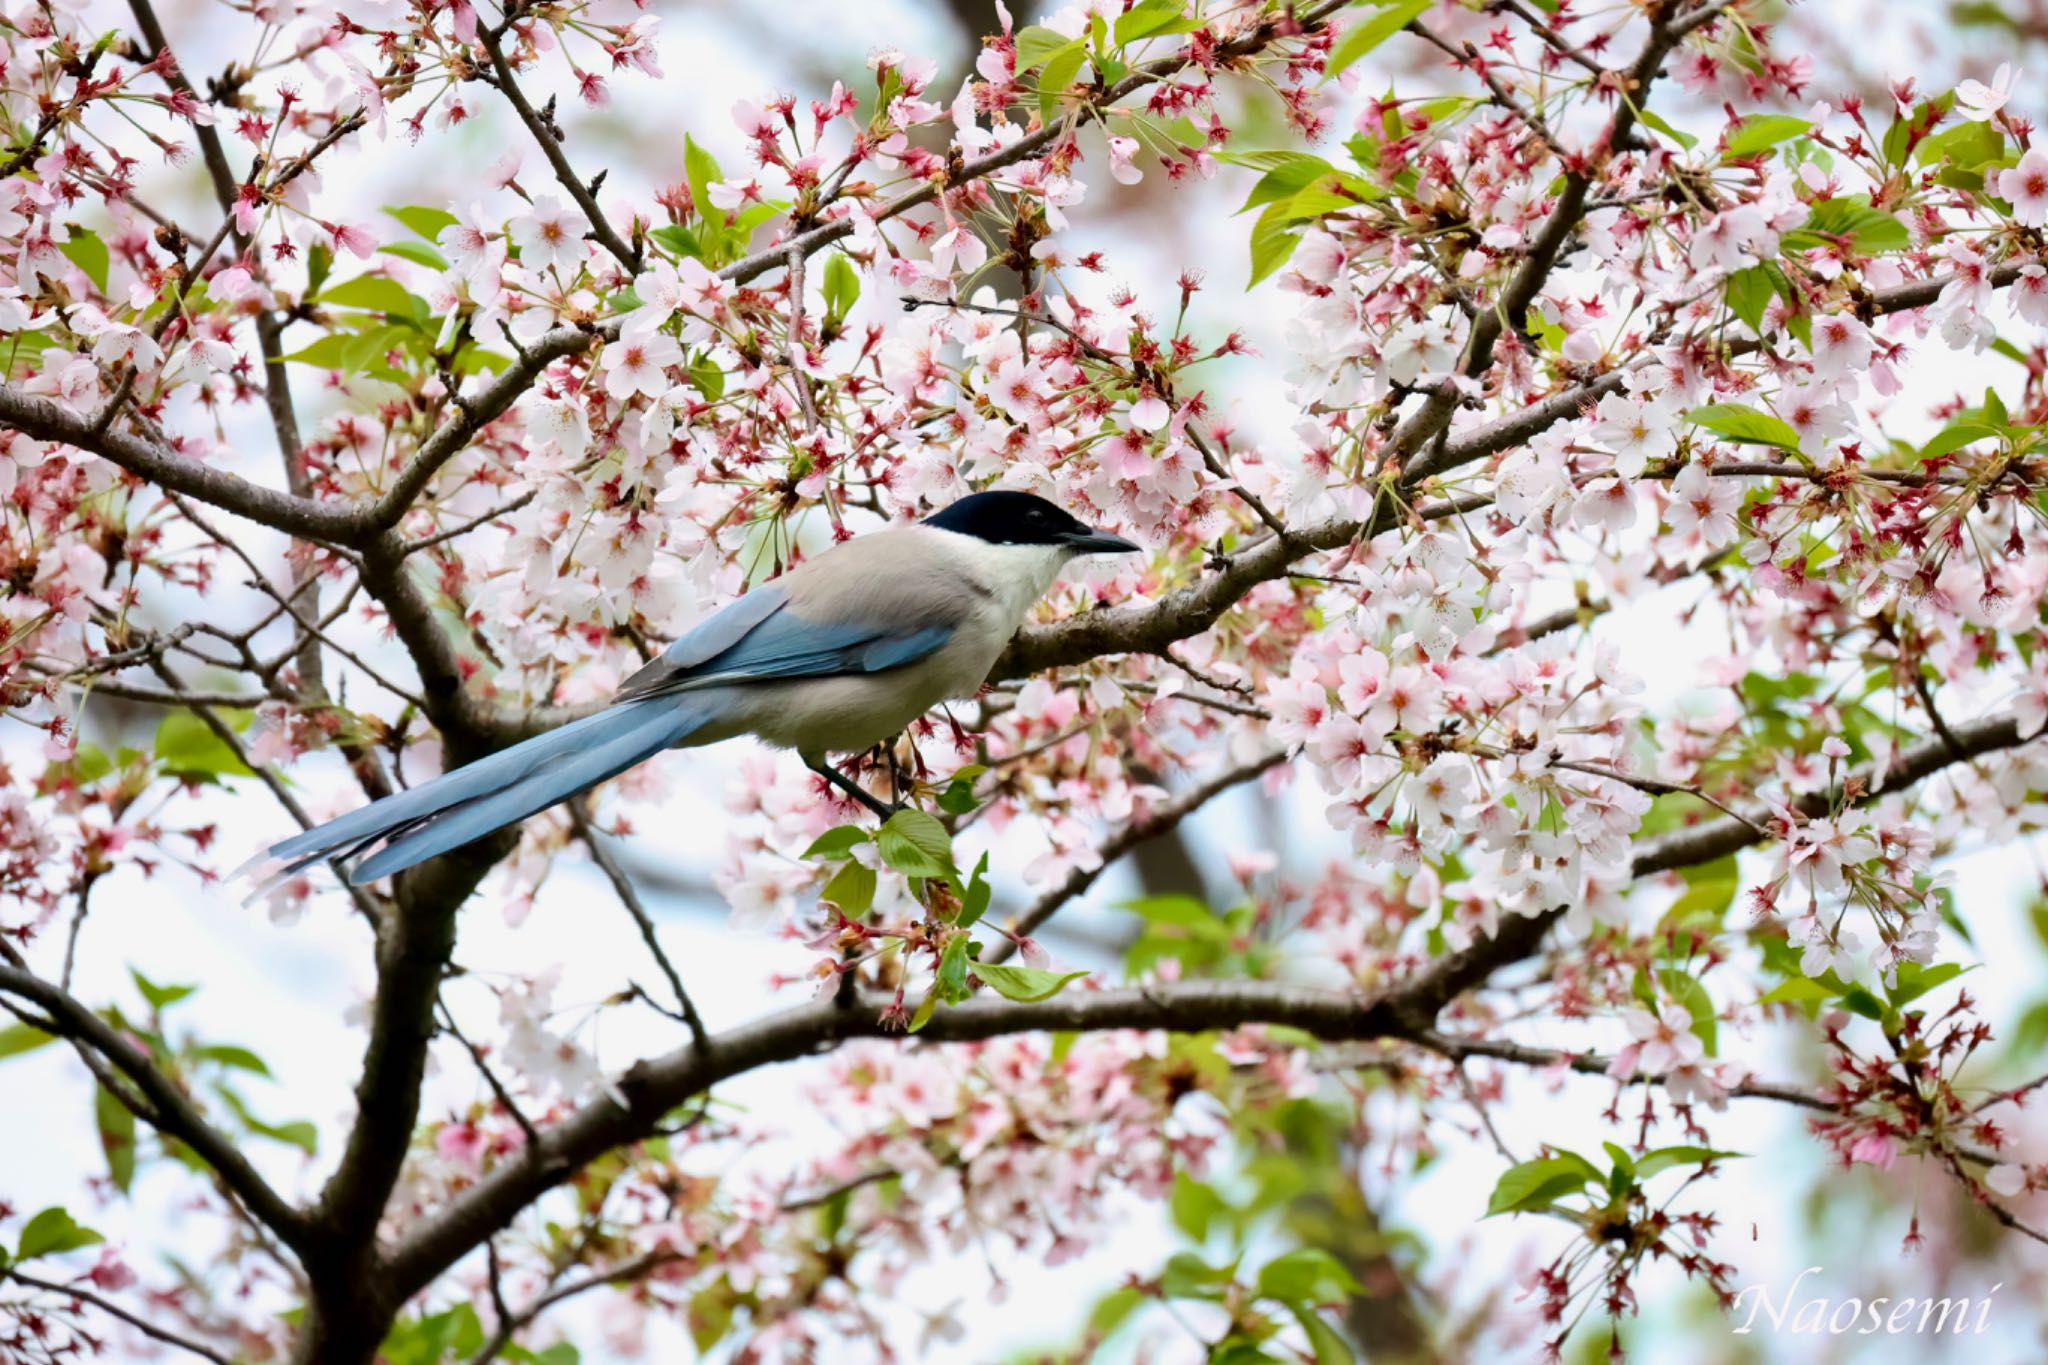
{"x":1061,"y":70}
{"x":377,"y":293}
{"x":838,"y":842}
{"x":916,"y":844}
{"x":117,"y":1137}
{"x":1536,"y":1185}
{"x":1664,"y":1158}
{"x":1306,"y":1275}
{"x":16,"y":1039}
{"x":1745,"y":426}
{"x":53,"y":1231}
{"x":841,"y":286}
{"x":852,"y":888}
{"x":423,"y":221}
{"x":1761,"y":132}
{"x":1027,"y":984}
{"x":1374,"y":31}
{"x":1272,"y":243}
{"x":86,"y":251}
{"x":951,"y":985}
{"x":1037,"y":43}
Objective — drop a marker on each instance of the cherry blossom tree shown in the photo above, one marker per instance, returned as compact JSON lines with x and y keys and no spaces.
{"x":1594,"y":305}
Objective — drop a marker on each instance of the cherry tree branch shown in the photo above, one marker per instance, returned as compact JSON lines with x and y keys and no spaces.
{"x":650,"y":1090}
{"x":169,"y":1110}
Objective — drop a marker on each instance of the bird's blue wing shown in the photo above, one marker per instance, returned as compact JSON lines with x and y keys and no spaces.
{"x":757,"y":640}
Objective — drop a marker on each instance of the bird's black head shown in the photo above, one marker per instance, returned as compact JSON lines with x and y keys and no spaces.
{"x":1007,"y":517}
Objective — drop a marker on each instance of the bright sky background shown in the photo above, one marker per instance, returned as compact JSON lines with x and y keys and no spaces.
{"x":289,"y":992}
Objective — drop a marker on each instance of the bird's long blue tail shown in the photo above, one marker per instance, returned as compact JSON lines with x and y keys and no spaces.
{"x":468,"y":803}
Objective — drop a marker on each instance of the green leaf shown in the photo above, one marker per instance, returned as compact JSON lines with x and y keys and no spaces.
{"x":1687,"y":991}
{"x":1028,"y":984}
{"x":707,"y":378}
{"x":679,"y":239}
{"x":1761,"y":132}
{"x":319,"y":261}
{"x":1036,"y":43}
{"x":1703,"y":902}
{"x":958,"y":797}
{"x":474,"y":359}
{"x":1060,"y":71}
{"x":1655,"y":121}
{"x":53,"y":1231}
{"x":1307,"y":1275}
{"x":1994,"y":409}
{"x":16,"y":1039}
{"x":159,"y":997}
{"x":1113,"y":1310}
{"x":838,"y":842}
{"x":1868,"y":231}
{"x":916,"y":844}
{"x":1325,"y":1341}
{"x":1802,"y":991}
{"x":753,"y":215}
{"x":1194,"y":1206}
{"x":376,"y":293}
{"x":1664,"y":1158}
{"x":711,"y":1313}
{"x":701,"y":168}
{"x":1310,"y":185}
{"x":367,"y":350}
{"x":1955,"y":436}
{"x":86,"y":251}
{"x":1916,"y":980}
{"x":117,"y":1137}
{"x":1749,"y":294}
{"x":1372,"y":33}
{"x":1745,"y":426}
{"x":1188,"y":1276}
{"x":1536,"y":1185}
{"x":1968,"y":146}
{"x":300,"y":1133}
{"x":974,"y":900}
{"x":951,"y":985}
{"x":329,"y":352}
{"x":423,"y":221}
{"x":228,"y":1055}
{"x":419,"y":253}
{"x":1150,"y":19}
{"x":186,"y":748}
{"x":841,"y":285}
{"x":1272,"y":244}
{"x":852,"y":888}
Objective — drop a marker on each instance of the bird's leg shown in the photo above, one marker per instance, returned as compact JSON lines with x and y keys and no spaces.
{"x":849,"y":786}
{"x":896,"y":791}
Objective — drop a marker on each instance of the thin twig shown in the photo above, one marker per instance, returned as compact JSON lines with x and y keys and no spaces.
{"x":115,"y":1310}
{"x":503,"y":1096}
{"x":622,"y":885}
{"x":551,"y":148}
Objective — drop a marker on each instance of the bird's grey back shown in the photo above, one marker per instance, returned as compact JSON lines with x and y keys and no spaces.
{"x":907,"y":578}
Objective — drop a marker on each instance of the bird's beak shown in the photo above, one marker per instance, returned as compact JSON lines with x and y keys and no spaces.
{"x":1100,"y":543}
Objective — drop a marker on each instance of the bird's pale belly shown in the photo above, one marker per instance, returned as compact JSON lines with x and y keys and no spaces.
{"x":849,"y":713}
